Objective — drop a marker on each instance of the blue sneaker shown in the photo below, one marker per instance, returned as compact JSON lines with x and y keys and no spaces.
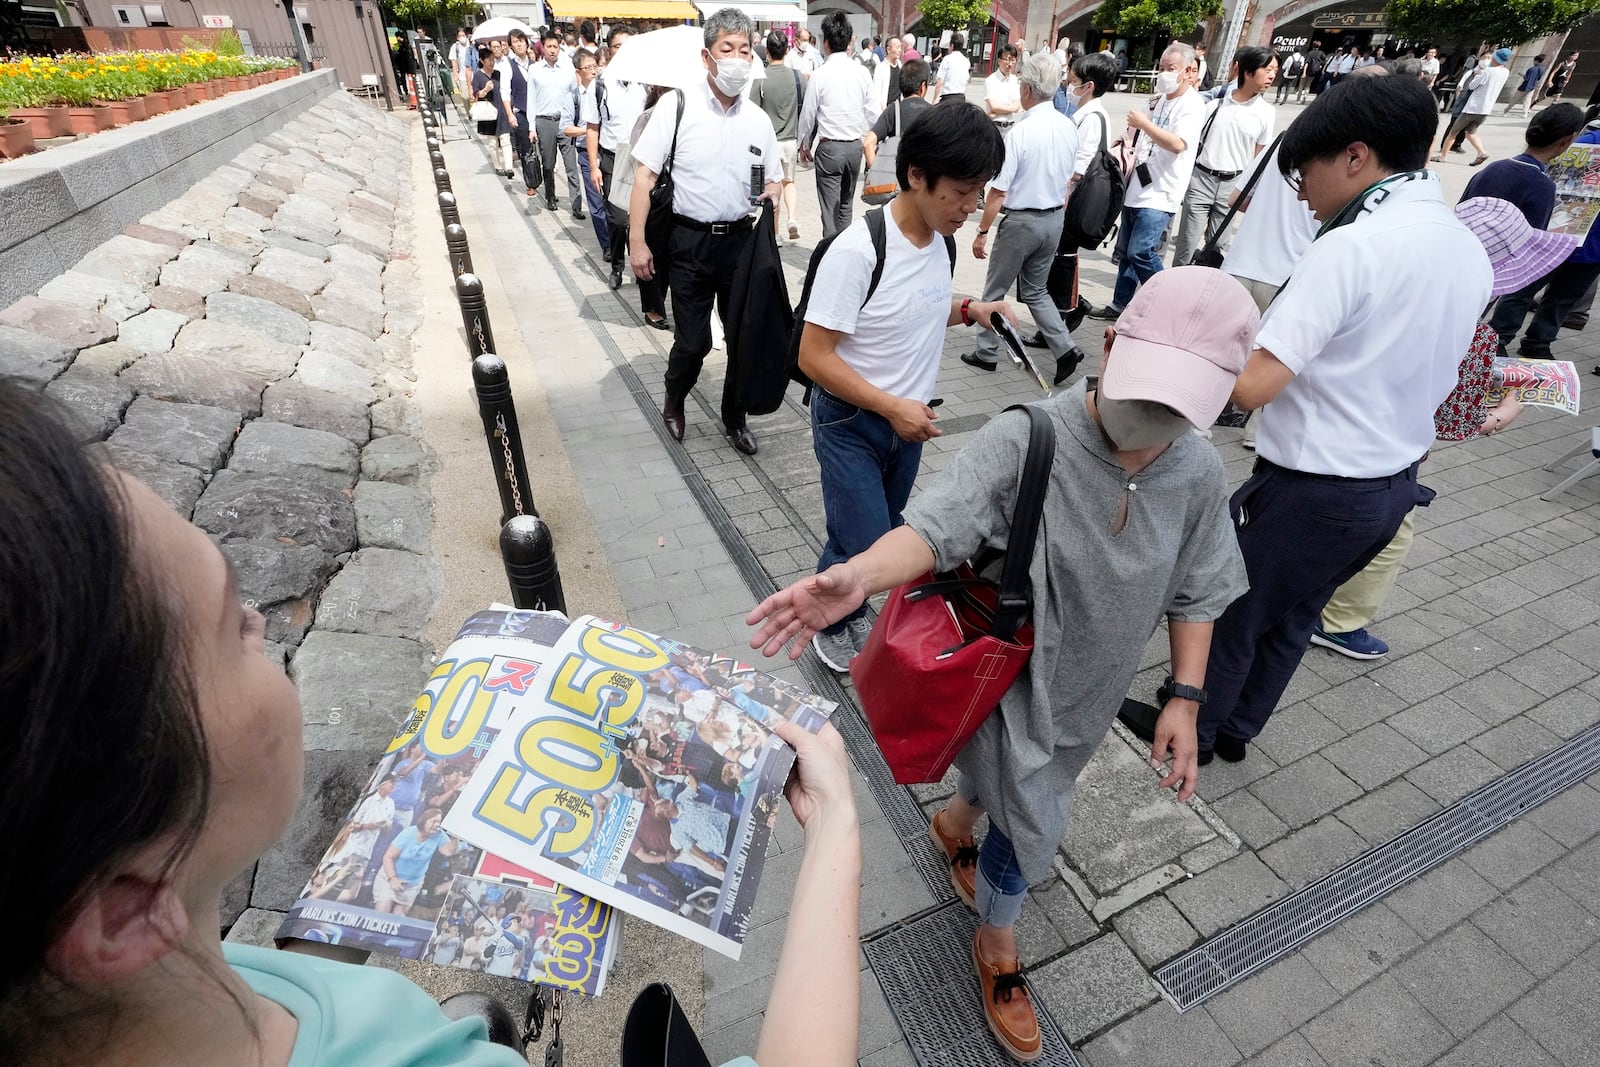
{"x":1357,"y":644}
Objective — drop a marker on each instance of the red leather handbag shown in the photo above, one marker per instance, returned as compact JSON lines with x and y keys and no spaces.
{"x":946,"y":647}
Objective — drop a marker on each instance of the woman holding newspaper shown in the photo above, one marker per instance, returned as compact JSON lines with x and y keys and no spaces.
{"x":122,"y":630}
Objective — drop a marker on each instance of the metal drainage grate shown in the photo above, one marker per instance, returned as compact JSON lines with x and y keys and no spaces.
{"x":925,"y":971}
{"x":1246,"y":948}
{"x":899,"y":808}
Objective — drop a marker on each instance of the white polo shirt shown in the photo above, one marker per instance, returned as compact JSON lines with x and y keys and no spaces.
{"x":1486,"y":85}
{"x":954,"y":71}
{"x":1276,"y":229}
{"x":1040,"y":152}
{"x":838,"y":104}
{"x":716,"y":147}
{"x":1373,"y":323}
{"x":1001,"y":88}
{"x":613,"y":107}
{"x":1236,"y":132}
{"x":1169,"y":171}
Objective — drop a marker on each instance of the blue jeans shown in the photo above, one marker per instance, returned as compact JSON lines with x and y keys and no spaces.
{"x":1141,"y":232}
{"x":867,"y":473}
{"x":1000,"y":890}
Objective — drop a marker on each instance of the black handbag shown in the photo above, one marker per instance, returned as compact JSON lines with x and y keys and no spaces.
{"x":1212,"y":256}
{"x":658,"y":1034}
{"x":658,"y":220}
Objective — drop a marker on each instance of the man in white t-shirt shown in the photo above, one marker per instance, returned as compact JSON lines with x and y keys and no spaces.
{"x":1002,"y":92}
{"x":875,"y":358}
{"x":1167,"y":133}
{"x":1239,"y":126}
{"x":955,"y":69}
{"x":1430,"y":67}
{"x":1483,"y":87}
{"x":1347,"y":400}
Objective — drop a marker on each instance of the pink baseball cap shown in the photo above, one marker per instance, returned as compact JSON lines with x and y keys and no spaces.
{"x":1181,"y":341}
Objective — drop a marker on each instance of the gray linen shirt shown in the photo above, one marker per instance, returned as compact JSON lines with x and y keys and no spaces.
{"x":1098,"y":597}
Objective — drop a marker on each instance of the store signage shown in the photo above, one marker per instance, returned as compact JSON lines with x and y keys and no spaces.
{"x":217,"y":22}
{"x":1351,"y":20}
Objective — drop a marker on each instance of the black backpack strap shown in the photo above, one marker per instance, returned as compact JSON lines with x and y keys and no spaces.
{"x":950,"y":250}
{"x":876,"y":229}
{"x":1016,"y":599}
{"x":1265,"y":161}
{"x":677,"y":124}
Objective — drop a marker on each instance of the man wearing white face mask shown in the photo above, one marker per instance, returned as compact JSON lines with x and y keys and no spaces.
{"x":1166,"y":133}
{"x":712,"y":151}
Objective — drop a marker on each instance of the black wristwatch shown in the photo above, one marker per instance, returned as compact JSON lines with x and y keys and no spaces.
{"x":1170,"y":689}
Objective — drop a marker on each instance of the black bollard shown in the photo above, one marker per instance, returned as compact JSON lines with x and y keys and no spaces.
{"x":447,"y":208}
{"x":441,"y":180}
{"x":436,"y":157}
{"x":530,"y":557}
{"x":455,"y":239}
{"x":474,"y":313}
{"x":433,"y":144}
{"x":499,"y":413}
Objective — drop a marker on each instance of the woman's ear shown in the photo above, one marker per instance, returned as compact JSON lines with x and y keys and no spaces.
{"x":123,"y":927}
{"x":1105,"y":354}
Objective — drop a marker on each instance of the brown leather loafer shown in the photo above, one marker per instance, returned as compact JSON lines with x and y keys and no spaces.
{"x":743,"y":440}
{"x":962,"y":852}
{"x":1008,"y":1007}
{"x":672,"y":415}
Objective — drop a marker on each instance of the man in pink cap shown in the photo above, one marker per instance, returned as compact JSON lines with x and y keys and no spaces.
{"x":1135,"y":528}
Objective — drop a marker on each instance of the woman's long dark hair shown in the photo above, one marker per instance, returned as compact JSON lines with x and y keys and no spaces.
{"x":101,"y":746}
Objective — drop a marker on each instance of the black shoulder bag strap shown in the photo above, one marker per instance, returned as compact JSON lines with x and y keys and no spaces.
{"x":1242,"y":198}
{"x":1016,"y":597}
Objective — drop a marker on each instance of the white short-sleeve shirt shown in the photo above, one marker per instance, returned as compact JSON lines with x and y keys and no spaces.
{"x":1002,"y":89}
{"x":716,"y":148}
{"x":1091,"y":119}
{"x":1237,"y":131}
{"x":614,"y":107}
{"x":954,"y":71}
{"x":1040,"y":152}
{"x":896,"y":340}
{"x":1169,"y":171}
{"x":1373,"y":323}
{"x":1275,"y":230}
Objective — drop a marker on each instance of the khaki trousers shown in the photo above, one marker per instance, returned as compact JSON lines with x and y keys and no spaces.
{"x":1356,"y":603}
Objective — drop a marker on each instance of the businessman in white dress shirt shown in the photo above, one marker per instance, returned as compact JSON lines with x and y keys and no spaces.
{"x":836,"y":115}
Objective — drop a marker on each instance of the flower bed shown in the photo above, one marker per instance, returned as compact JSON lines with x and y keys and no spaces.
{"x":59,"y":96}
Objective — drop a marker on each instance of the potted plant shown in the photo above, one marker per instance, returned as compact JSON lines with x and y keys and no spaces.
{"x":16,"y":136}
{"x":74,"y":86}
{"x":28,"y":91}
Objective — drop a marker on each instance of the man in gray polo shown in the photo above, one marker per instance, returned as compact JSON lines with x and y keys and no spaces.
{"x":1031,"y":190}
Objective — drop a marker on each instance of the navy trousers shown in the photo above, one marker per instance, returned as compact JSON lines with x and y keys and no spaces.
{"x":1302,"y":537}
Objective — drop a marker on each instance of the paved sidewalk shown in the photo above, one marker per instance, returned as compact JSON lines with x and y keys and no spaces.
{"x":1495,"y":635}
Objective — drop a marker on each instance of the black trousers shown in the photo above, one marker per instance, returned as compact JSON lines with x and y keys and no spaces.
{"x":522,"y":141}
{"x":703,"y":269}
{"x":653,"y":293}
{"x":1563,"y":288}
{"x":1302,"y":537}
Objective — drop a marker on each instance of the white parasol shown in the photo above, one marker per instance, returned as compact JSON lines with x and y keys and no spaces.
{"x":668,"y":57}
{"x":498,"y":29}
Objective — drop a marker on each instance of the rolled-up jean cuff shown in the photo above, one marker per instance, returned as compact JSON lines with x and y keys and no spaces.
{"x":1000,"y":887}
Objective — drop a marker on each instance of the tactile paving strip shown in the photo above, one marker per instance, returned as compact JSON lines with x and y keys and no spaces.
{"x":1253,"y":944}
{"x":925,"y":970}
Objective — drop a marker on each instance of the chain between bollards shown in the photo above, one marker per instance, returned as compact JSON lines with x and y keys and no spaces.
{"x":474,"y":314}
{"x":499,"y":413}
{"x":529,"y":553}
{"x":455,"y":239}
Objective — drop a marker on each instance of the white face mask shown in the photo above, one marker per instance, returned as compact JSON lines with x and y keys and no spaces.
{"x":1166,"y":83}
{"x":1137,"y":424}
{"x":732,"y":75}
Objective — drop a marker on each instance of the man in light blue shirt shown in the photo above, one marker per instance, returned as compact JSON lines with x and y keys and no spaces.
{"x":551,"y":82}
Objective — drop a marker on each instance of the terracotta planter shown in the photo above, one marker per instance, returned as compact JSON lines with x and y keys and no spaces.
{"x":90,"y":119}
{"x":159,"y":103}
{"x":46,"y":121}
{"x":198,"y":91}
{"x":16,"y":138}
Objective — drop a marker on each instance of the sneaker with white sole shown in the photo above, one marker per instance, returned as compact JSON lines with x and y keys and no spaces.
{"x":1357,"y":644}
{"x":836,"y":650}
{"x":859,"y":629}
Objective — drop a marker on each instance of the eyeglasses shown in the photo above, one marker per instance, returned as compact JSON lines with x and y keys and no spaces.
{"x":1295,"y":180}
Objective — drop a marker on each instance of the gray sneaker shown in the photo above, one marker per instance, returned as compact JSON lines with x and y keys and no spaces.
{"x":836,"y":650}
{"x":859,"y":628}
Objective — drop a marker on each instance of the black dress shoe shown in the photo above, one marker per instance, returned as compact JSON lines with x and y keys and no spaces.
{"x":672,"y":415}
{"x":578,"y":214}
{"x":550,"y":204}
{"x":605,"y":255}
{"x":616,"y":275}
{"x":659,"y":324}
{"x":1036,"y":340}
{"x":743,"y":440}
{"x":1075,"y":317}
{"x":971,"y":359}
{"x":1067,"y":364}
{"x":1204,"y":757}
{"x":1106,"y":314}
{"x":1231,"y":749}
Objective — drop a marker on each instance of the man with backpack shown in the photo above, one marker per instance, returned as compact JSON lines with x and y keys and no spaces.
{"x":780,"y":94}
{"x":872,"y":316}
{"x":1031,"y":189}
{"x":881,"y":180}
